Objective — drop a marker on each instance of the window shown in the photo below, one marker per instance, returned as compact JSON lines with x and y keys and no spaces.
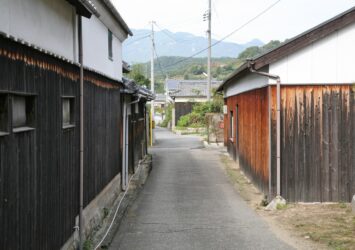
{"x":68,"y":112}
{"x":4,"y":122}
{"x":110,"y":52}
{"x":231,"y":127}
{"x":23,"y":110}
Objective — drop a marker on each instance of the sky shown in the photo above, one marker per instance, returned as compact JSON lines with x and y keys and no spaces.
{"x":286,"y":19}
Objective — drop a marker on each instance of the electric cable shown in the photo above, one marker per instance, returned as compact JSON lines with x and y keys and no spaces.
{"x":118,"y":206}
{"x":227,"y":36}
{"x":159,"y":64}
{"x":133,"y":41}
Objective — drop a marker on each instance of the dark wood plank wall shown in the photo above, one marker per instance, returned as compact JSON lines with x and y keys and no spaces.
{"x":39,"y":169}
{"x":318,"y":143}
{"x":251,"y":142}
{"x":103,"y":126}
{"x":182,"y":108}
{"x":137,"y":136}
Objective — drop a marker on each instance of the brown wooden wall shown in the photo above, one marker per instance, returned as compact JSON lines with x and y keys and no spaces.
{"x":182,"y":108}
{"x":251,"y":142}
{"x":39,"y":168}
{"x":318,"y":142}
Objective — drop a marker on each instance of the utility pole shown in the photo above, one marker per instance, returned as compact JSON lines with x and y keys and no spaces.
{"x":152,"y":82}
{"x":209,"y":32}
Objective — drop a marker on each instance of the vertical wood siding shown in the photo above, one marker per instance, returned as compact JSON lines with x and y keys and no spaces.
{"x":102,"y":112}
{"x":250,"y":145}
{"x":39,"y":169}
{"x":137,"y":137}
{"x":182,"y":108}
{"x":318,"y":142}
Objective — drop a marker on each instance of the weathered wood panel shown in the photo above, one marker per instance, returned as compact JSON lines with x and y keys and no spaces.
{"x":39,"y":169}
{"x":250,"y":144}
{"x":137,"y":137}
{"x":318,"y":142}
{"x":182,"y":108}
{"x":102,"y":114}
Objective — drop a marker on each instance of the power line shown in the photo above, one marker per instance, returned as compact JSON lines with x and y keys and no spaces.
{"x":159,"y":64}
{"x":166,"y":33}
{"x":225,"y":37}
{"x":131,"y":42}
{"x":170,"y":36}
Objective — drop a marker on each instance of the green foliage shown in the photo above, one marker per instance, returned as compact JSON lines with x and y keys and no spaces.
{"x":190,"y":120}
{"x":197,"y":118}
{"x":281,"y":206}
{"x":271,"y":45}
{"x":254,"y":51}
{"x":250,"y":53}
{"x":137,"y":74}
{"x":193,"y":68}
{"x":87,"y":245}
{"x":197,"y":69}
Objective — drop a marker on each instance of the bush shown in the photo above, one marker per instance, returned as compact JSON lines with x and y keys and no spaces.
{"x":191,"y":120}
{"x":197,"y":117}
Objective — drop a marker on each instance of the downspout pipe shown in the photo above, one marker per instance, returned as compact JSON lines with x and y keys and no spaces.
{"x":125,"y":147}
{"x":81,"y":171}
{"x":136,"y":101}
{"x":278,"y":122}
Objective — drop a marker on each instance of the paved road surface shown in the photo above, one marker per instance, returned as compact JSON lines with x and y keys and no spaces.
{"x":187,"y":203}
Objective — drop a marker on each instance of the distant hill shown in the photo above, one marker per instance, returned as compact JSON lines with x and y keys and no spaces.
{"x":187,"y":68}
{"x":136,"y":49}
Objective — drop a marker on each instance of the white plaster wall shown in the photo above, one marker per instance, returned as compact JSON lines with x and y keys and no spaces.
{"x":48,"y":24}
{"x":95,"y":48}
{"x":330,"y":60}
{"x":246,"y":83}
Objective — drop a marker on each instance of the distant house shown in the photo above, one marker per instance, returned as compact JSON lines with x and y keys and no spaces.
{"x":317,"y":114}
{"x":160,"y":100}
{"x":40,"y":119}
{"x":186,"y":93}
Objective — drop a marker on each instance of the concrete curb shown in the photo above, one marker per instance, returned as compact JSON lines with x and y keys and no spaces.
{"x":213,"y":145}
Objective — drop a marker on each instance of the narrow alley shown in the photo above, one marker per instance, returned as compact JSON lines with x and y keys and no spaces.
{"x":188,"y":203}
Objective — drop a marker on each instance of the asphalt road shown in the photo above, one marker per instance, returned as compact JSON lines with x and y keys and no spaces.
{"x":188,"y":203}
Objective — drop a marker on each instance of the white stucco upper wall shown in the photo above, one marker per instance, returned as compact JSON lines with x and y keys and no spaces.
{"x":52,"y":25}
{"x":95,"y":48}
{"x":49,"y":24}
{"x":245,"y":83}
{"x":109,"y":21}
{"x":327,"y":61}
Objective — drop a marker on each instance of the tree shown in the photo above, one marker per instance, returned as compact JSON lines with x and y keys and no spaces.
{"x":271,"y":45}
{"x":250,"y":53}
{"x":137,"y":74}
{"x":255,"y":51}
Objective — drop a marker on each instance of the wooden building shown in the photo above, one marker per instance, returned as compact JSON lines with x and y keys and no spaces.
{"x":317,"y":115}
{"x":186,"y":93}
{"x":40,"y":118}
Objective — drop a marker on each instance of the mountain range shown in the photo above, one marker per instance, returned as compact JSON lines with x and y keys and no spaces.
{"x":137,"y":49}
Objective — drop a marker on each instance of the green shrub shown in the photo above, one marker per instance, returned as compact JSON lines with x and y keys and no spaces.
{"x":197,"y":118}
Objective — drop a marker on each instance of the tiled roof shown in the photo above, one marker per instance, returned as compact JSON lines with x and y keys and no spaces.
{"x":191,"y":88}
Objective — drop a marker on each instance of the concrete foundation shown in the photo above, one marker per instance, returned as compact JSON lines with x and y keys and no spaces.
{"x":99,"y":213}
{"x":95,"y":212}
{"x":276,"y":203}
